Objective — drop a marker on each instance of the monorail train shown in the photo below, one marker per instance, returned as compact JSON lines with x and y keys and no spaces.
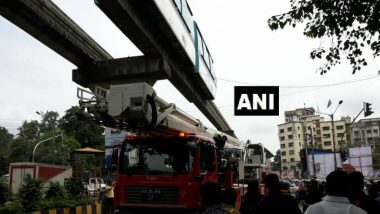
{"x":179,"y":17}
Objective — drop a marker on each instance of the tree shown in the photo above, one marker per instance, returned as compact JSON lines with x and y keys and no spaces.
{"x":29,"y":130}
{"x":19,"y":150}
{"x":80,"y":125}
{"x":30,"y":192}
{"x":5,"y":138}
{"x":49,"y":121}
{"x":56,"y":152}
{"x":349,"y":26}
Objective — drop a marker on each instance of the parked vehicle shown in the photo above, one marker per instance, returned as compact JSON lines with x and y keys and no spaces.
{"x":94,"y":186}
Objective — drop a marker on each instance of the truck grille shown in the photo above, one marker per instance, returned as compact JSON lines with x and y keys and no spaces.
{"x":164,"y":194}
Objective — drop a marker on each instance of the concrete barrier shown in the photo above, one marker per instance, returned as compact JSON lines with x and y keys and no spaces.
{"x":83,"y":209}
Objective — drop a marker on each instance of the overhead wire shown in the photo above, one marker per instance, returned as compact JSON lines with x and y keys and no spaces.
{"x":311,"y":87}
{"x":370,"y":76}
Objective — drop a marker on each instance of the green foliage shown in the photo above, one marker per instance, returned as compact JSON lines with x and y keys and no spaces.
{"x":5,"y":192}
{"x":80,"y":125}
{"x":56,"y":191}
{"x":49,"y":121}
{"x":19,"y":150}
{"x":56,"y":196}
{"x":5,"y":136}
{"x":350,"y":26}
{"x":12,"y":207}
{"x":5,"y":139}
{"x":57,"y":151}
{"x":30,"y":192}
{"x":74,"y":186}
{"x":29,"y":130}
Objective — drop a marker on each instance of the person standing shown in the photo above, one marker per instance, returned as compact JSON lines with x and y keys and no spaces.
{"x":109,"y":197}
{"x":336,"y":201}
{"x":251,"y":199}
{"x":357,"y":195}
{"x":229,"y":201}
{"x":276,"y":202}
{"x":211,"y":195}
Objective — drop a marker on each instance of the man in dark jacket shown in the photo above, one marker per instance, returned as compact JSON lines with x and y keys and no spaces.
{"x":357,"y":195}
{"x":275,"y":201}
{"x":251,"y":199}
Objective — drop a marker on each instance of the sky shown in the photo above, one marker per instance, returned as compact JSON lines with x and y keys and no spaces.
{"x":245,"y":52}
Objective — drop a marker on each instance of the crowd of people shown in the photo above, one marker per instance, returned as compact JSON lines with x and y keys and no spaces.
{"x":341,"y":193}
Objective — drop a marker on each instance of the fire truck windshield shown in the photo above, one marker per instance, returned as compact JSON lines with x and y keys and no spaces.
{"x":157,"y":157}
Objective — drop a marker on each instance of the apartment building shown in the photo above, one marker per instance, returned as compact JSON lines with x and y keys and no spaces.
{"x":303,"y":128}
{"x":366,"y":132}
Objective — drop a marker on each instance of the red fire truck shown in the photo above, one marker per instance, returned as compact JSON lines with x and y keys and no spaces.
{"x":161,"y":166}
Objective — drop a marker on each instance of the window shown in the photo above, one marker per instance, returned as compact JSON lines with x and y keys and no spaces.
{"x":291,"y":159}
{"x":283,"y":153}
{"x":285,"y":168}
{"x":207,"y":152}
{"x":178,"y":3}
{"x":298,"y":128}
{"x":187,"y":16}
{"x":290,"y":144}
{"x":284,"y":160}
{"x":340,"y":134}
{"x":291,"y":152}
{"x":200,"y":43}
{"x":325,"y":128}
{"x":339,"y":127}
{"x":281,"y":130}
{"x":326,"y":135}
{"x":290,"y":136}
{"x":282,"y":138}
{"x":299,"y":136}
{"x":206,"y":56}
{"x":369,"y":131}
{"x":375,"y":131}
{"x":327,"y":143}
{"x":282,"y":146}
{"x":289,"y":129}
{"x":356,"y":132}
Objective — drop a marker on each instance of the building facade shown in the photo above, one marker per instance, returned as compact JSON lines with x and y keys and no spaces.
{"x":366,"y":132}
{"x":303,"y":128}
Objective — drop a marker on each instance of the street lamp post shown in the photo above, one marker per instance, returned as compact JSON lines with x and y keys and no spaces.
{"x":35,"y":147}
{"x":333,"y":130}
{"x":333,"y":135}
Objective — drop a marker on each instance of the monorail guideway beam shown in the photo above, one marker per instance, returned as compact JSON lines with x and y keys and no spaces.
{"x":47,"y":23}
{"x":141,"y":22}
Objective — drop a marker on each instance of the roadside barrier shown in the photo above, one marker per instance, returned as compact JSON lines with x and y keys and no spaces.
{"x":83,"y":209}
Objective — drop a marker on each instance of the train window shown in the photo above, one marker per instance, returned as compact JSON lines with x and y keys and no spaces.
{"x":206,"y":56}
{"x":178,"y":3}
{"x":212,"y":69}
{"x":187,"y":16}
{"x":200,"y":43}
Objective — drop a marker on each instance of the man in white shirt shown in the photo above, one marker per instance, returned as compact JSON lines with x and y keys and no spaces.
{"x":336,"y":201}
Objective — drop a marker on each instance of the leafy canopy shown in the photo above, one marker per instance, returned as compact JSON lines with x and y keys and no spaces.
{"x":349,"y":25}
